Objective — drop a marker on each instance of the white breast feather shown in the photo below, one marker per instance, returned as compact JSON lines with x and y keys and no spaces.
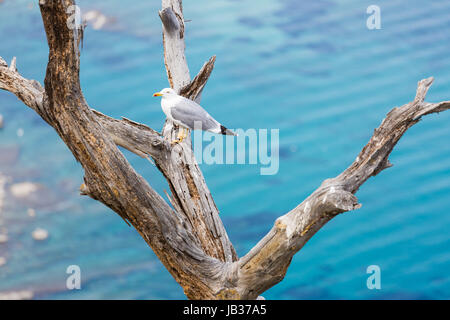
{"x":167,"y":104}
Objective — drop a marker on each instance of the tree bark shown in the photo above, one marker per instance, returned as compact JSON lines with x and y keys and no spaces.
{"x":189,"y":239}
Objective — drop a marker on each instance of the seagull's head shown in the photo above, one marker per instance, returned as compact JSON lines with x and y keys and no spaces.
{"x":165,"y":93}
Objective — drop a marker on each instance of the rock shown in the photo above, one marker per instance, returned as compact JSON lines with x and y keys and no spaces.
{"x":98,"y":20}
{"x":3,"y":238}
{"x":33,"y":195}
{"x":16,"y":295}
{"x":2,"y":261}
{"x":2,"y":191}
{"x":9,"y":155}
{"x":23,"y":189}
{"x":39,"y":234}
{"x":20,"y":132}
{"x":31,"y":212}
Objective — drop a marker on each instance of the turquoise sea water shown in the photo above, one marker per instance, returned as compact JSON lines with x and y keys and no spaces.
{"x":309,"y":68}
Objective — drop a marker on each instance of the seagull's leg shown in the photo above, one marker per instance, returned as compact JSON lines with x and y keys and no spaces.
{"x":179,"y":137}
{"x":183,"y":134}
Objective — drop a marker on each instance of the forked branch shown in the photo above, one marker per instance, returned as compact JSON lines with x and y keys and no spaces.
{"x":266,"y":264}
{"x":189,"y":239}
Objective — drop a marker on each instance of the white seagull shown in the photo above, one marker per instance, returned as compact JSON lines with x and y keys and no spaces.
{"x":187,"y":113}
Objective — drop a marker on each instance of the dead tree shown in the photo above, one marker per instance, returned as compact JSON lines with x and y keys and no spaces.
{"x":189,"y":239}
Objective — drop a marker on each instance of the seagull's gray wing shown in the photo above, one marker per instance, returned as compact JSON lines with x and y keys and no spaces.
{"x":187,"y":112}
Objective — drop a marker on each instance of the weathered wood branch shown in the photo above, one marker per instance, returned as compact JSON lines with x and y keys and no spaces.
{"x":190,"y":192}
{"x":194,"y":90}
{"x":135,"y":137}
{"x":190,"y":239}
{"x":173,"y":38}
{"x":266,"y":264}
{"x":185,"y":231}
{"x":109,"y":178}
{"x":29,"y":92}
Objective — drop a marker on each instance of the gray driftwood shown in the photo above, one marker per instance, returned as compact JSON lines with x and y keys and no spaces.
{"x":190,"y":239}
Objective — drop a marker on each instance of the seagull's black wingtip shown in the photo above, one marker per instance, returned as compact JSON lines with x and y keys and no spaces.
{"x":226,"y":131}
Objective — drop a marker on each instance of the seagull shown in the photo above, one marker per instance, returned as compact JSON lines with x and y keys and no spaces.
{"x":185,"y":113}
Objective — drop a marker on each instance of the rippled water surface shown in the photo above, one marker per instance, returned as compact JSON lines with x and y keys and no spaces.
{"x":311,"y":69}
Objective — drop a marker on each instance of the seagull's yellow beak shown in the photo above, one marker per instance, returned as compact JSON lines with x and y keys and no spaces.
{"x":157,"y":94}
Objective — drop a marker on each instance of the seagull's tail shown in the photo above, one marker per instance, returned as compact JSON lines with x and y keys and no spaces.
{"x":226,"y":131}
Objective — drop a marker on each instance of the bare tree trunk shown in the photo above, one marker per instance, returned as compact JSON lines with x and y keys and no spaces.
{"x":191,"y":240}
